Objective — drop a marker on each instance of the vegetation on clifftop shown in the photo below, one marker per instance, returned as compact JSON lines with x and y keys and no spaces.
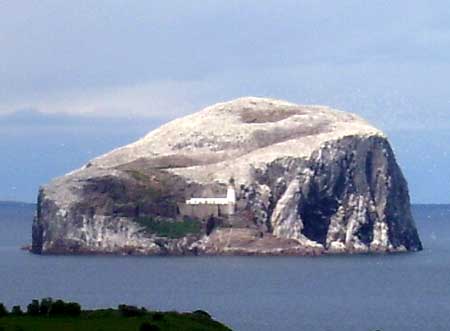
{"x":49,"y":315}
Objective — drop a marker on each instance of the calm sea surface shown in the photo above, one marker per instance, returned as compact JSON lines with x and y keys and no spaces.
{"x":391,"y":292}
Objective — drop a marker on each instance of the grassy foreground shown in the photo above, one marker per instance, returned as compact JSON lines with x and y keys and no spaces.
{"x":126,"y":318}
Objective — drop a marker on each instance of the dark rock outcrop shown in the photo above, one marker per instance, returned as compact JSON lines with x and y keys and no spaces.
{"x":308,"y":179}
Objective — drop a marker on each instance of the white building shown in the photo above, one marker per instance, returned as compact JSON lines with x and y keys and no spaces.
{"x":229,"y":200}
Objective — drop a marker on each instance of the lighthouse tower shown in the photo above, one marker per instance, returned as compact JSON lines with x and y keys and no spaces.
{"x":231,"y":197}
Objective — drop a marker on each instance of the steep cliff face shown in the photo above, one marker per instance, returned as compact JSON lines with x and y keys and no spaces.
{"x":309,"y":180}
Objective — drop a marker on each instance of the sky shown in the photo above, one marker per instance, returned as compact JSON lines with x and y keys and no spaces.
{"x":80,"y":78}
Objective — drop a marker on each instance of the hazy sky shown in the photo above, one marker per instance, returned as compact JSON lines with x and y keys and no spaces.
{"x":149,"y":61}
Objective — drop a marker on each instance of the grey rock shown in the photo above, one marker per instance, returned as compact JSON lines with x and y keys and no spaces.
{"x":309,"y":180}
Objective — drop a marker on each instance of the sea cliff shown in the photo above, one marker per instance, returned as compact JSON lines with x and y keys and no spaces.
{"x":306,"y":179}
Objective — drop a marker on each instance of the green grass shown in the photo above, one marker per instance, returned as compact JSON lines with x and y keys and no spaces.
{"x":166,"y":227}
{"x":110,"y":320}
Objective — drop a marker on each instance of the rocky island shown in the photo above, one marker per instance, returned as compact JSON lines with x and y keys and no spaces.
{"x":248,"y":176}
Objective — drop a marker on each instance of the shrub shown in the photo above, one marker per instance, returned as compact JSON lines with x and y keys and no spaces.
{"x":45,"y":306}
{"x":130,"y":311}
{"x":57,"y":308}
{"x":146,"y":326}
{"x":33,"y":308}
{"x":61,"y":308}
{"x":202,"y":313}
{"x":16,"y":311}
{"x":72,"y":309}
{"x":3,"y":310}
{"x":157,"y":316}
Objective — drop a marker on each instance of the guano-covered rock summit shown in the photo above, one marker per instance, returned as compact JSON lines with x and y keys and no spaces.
{"x":249,"y":176}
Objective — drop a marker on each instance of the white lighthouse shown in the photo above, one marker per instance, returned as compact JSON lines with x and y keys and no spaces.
{"x":231,"y":197}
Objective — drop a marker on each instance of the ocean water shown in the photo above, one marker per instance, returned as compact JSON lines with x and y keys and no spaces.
{"x":362,"y":292}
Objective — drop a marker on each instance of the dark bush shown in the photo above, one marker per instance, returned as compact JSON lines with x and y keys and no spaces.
{"x":130,"y":311}
{"x":57,"y":308}
{"x":157,"y":316}
{"x":146,"y":326}
{"x":33,"y":308}
{"x":202,"y":313}
{"x":16,"y":311}
{"x":3,"y":310}
{"x":61,"y":308}
{"x":72,"y":309}
{"x":44,"y":307}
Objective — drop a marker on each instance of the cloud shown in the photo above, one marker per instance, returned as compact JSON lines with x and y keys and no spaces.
{"x":104,"y":72}
{"x":53,"y":46}
{"x":385,"y":60}
{"x":388,"y":94}
{"x":30,"y":124}
{"x":160,"y":99}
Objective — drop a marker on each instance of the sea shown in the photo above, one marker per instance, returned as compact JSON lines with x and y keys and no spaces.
{"x":396,"y":292}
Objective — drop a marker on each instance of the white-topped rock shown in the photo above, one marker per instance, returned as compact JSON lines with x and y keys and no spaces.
{"x":309,"y":179}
